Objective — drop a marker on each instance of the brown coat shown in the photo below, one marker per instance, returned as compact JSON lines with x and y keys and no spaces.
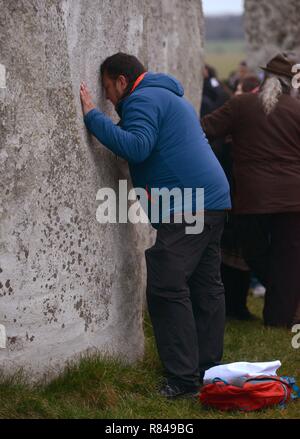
{"x":265,"y":152}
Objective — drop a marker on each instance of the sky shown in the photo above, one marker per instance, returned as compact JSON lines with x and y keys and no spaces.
{"x":215,"y":7}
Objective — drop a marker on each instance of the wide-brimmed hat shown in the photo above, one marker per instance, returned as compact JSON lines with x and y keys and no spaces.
{"x":280,"y":65}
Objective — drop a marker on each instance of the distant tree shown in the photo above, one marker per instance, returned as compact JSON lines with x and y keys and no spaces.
{"x":224,"y":27}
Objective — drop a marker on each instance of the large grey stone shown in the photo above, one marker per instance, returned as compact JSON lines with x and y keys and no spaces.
{"x":271,"y":27}
{"x":68,"y":284}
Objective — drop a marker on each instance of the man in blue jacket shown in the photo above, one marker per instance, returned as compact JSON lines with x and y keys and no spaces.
{"x":160,"y":136}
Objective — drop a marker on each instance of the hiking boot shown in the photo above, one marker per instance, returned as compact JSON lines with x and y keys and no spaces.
{"x":172,"y":391}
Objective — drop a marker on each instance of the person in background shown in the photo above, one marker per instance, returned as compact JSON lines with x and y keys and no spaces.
{"x":237,"y":76}
{"x":234,"y":270}
{"x":213,"y":94}
{"x":236,"y":274}
{"x":249,"y":84}
{"x":213,"y":97}
{"x":265,"y":130}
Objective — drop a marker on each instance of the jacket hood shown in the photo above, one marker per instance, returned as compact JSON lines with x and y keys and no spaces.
{"x":162,"y":80}
{"x":158,"y":80}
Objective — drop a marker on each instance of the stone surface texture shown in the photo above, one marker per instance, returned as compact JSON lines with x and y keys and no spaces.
{"x":271,"y":27}
{"x":69,"y":285}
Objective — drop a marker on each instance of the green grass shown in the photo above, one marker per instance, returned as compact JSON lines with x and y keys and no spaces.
{"x":102,"y":388}
{"x":225,"y":55}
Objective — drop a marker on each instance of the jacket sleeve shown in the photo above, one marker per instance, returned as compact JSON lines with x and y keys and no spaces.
{"x":220,"y":122}
{"x":137,"y":137}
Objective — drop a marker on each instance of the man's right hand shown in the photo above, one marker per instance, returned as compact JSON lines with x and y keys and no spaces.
{"x":86,"y":99}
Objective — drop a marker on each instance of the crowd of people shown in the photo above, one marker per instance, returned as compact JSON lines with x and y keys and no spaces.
{"x":236,"y":275}
{"x":252,"y":124}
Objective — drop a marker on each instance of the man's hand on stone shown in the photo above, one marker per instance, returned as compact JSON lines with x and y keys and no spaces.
{"x":86,"y":99}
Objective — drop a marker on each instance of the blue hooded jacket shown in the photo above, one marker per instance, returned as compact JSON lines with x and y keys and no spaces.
{"x":161,"y":138}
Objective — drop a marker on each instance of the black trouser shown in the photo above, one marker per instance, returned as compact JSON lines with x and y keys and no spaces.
{"x":236,"y":284}
{"x":271,"y":247}
{"x":185,"y":298}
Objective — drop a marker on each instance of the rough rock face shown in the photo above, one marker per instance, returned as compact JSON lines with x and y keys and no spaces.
{"x":67,"y":283}
{"x":271,"y":27}
{"x":174,"y":33}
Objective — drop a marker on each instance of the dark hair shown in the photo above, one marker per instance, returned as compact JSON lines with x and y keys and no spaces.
{"x":122,"y":64}
{"x":212,"y":73}
{"x":249,"y":83}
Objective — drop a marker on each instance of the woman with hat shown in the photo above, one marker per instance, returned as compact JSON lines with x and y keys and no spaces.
{"x":265,"y":129}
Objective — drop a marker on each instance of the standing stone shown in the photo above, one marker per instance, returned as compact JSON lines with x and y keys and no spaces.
{"x":174,"y":39}
{"x":69,"y":285}
{"x":271,"y":27}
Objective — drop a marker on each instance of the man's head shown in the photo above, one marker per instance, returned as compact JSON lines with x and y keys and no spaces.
{"x":281,"y":65}
{"x":119,"y":73}
{"x":243,"y":69}
{"x":209,"y":72}
{"x":278,"y":80}
{"x":247,"y":84}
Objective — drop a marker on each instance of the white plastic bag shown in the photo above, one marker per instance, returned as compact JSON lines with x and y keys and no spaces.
{"x":232,"y":371}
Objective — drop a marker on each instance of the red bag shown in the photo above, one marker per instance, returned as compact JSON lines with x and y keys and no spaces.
{"x":252,"y":393}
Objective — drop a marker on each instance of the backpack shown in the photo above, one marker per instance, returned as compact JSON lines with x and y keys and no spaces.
{"x":249,"y":393}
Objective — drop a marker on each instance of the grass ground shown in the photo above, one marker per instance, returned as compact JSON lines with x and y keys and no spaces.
{"x":224,"y":55}
{"x":110,"y":390}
